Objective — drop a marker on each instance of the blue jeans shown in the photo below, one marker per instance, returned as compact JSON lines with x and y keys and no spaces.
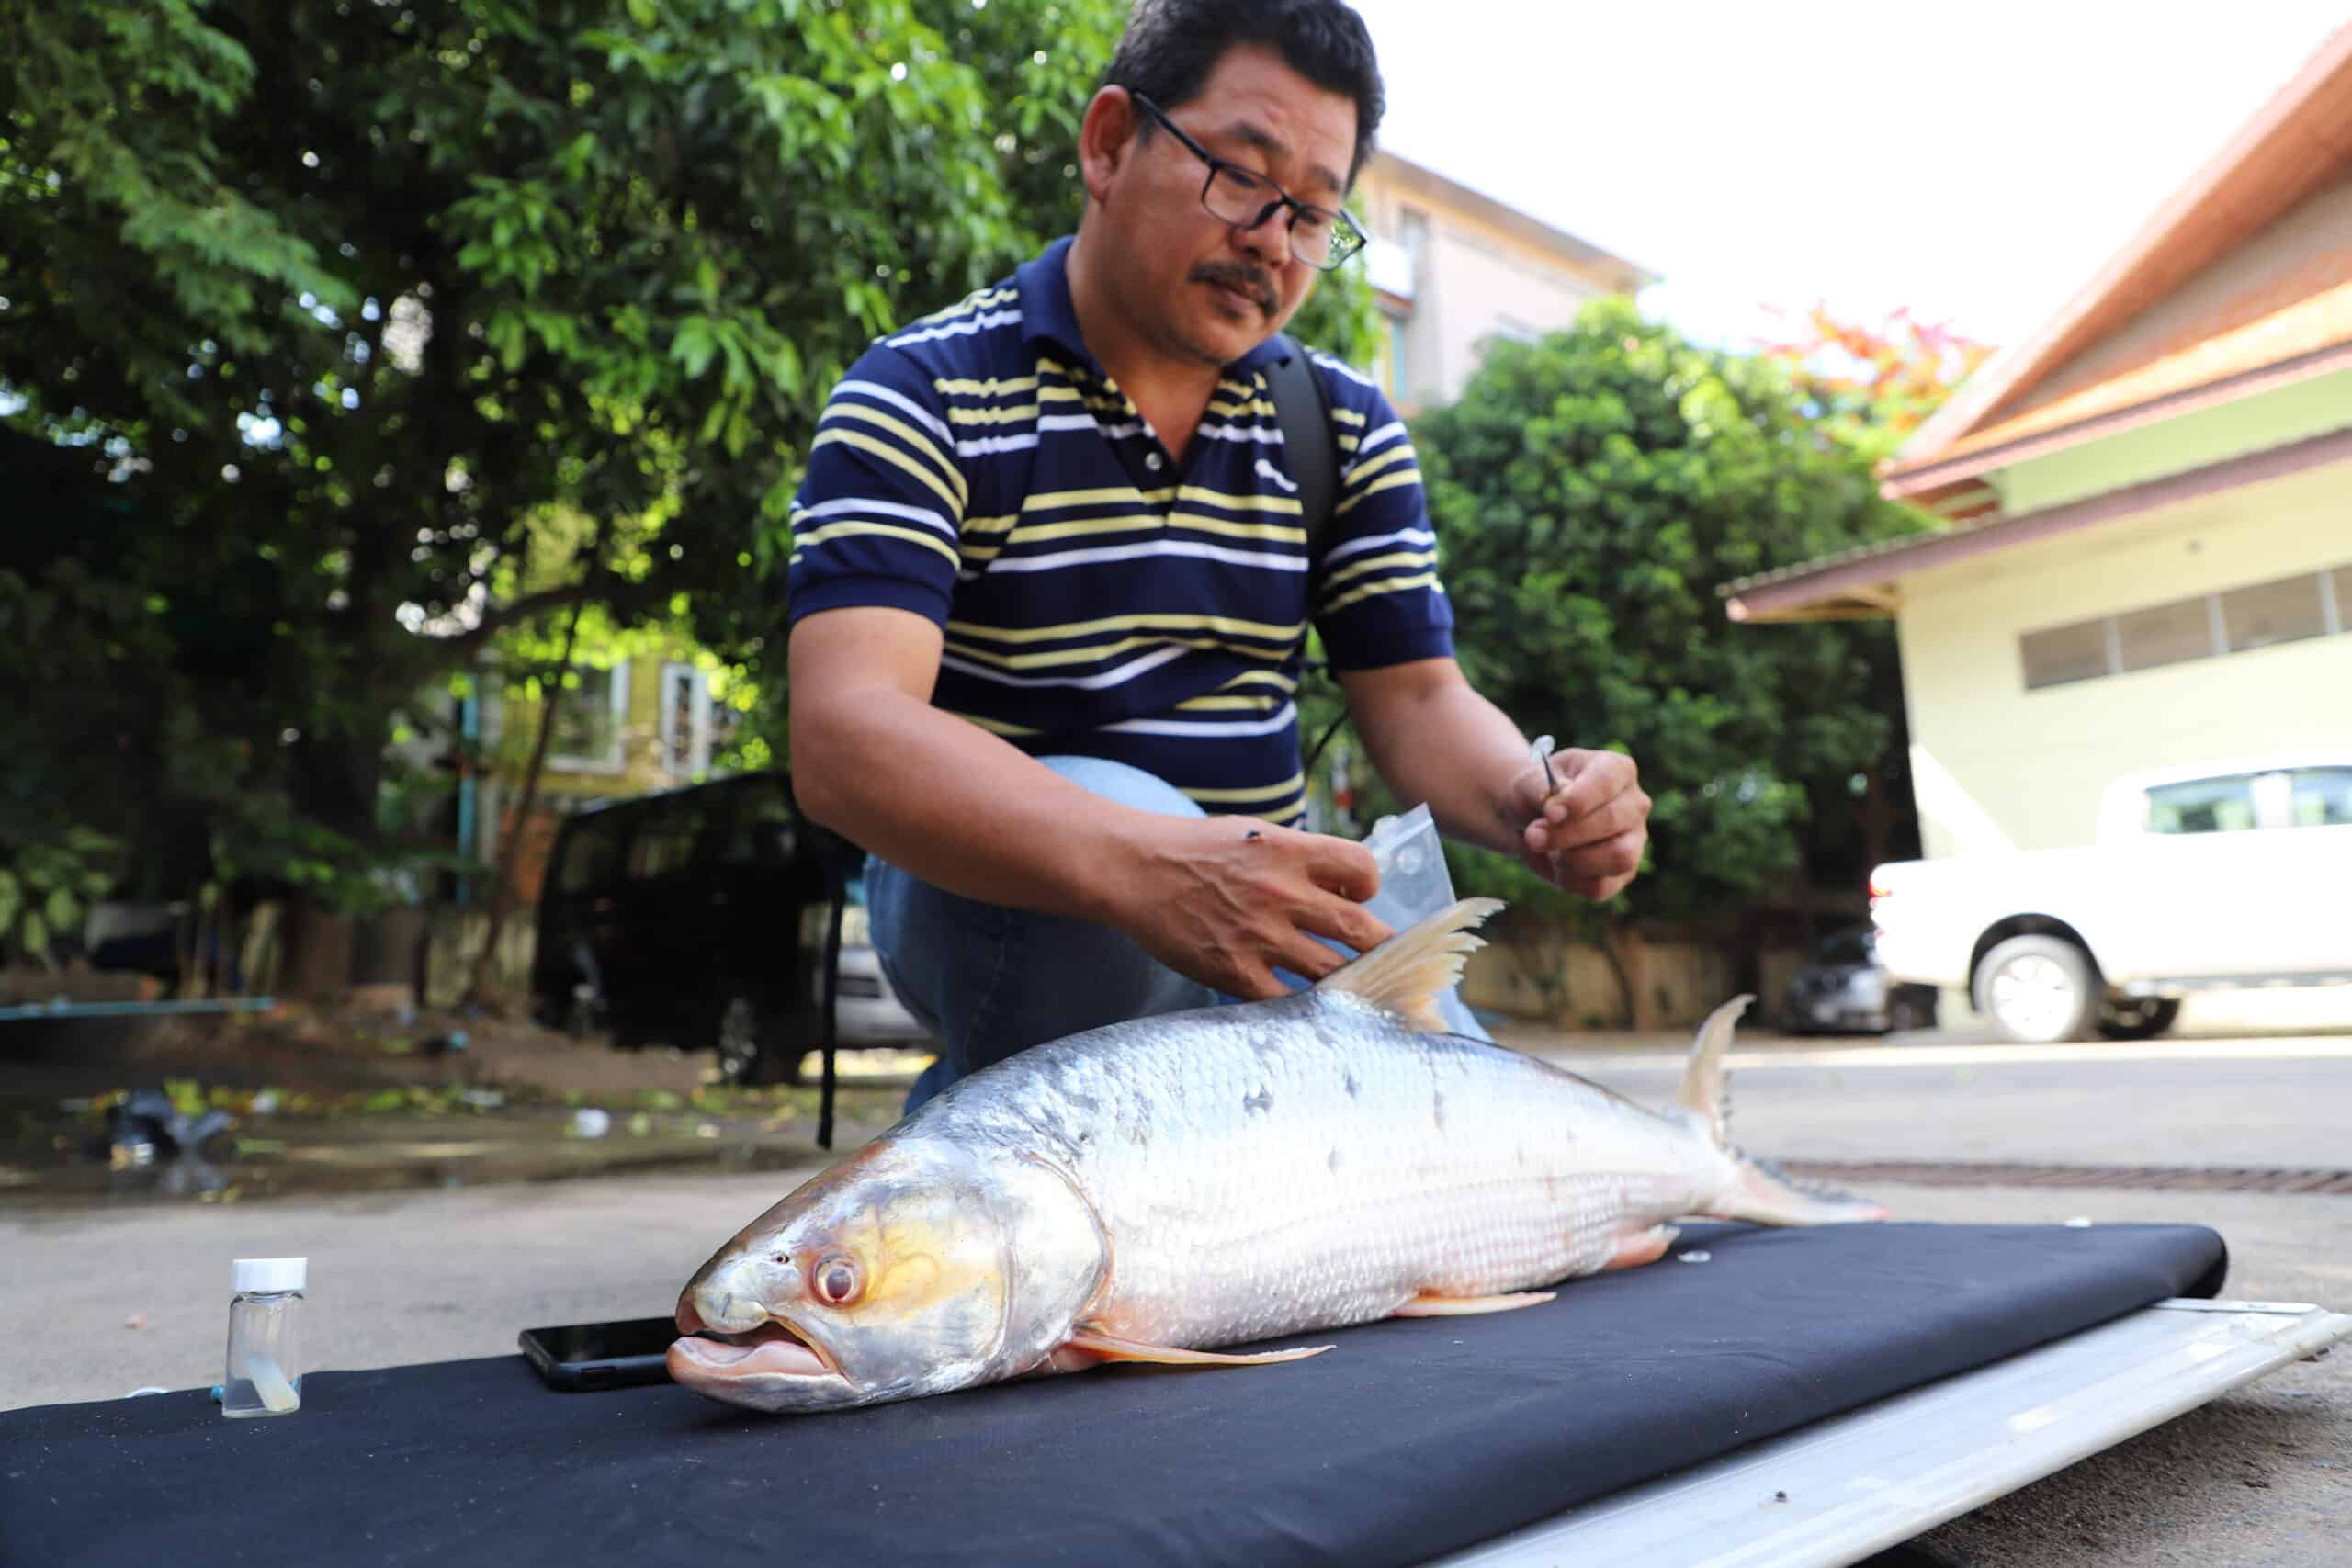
{"x":988,"y":981}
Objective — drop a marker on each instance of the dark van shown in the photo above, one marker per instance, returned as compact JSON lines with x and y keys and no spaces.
{"x":696,"y":917}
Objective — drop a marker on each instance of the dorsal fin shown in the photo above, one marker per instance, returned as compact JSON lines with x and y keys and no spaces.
{"x":1704,"y":1092}
{"x":1410,"y":970}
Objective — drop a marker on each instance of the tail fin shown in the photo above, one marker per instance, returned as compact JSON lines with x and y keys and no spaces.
{"x":1755,"y":1191}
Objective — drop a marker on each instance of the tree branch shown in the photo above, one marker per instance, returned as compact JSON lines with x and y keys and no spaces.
{"x":498,"y":618}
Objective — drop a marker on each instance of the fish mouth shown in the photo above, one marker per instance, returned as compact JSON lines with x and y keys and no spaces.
{"x":774,"y":1348}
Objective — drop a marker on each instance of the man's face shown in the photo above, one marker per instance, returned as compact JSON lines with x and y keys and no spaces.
{"x":1194,"y":287}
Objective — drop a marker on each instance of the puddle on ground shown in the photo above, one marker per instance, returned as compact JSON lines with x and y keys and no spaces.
{"x":64,"y":1160}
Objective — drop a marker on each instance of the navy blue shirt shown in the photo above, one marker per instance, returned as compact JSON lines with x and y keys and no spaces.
{"x":1098,"y":598}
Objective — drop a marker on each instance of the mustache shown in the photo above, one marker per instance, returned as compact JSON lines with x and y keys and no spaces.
{"x":1236,"y":275}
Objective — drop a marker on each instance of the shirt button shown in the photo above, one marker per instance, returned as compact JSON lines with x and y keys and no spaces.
{"x":1151,"y":461}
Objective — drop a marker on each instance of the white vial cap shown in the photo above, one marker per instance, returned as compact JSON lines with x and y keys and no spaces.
{"x":270,"y":1273}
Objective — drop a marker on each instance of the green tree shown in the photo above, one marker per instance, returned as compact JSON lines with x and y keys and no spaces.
{"x":344,"y":301}
{"x":1592,"y":491}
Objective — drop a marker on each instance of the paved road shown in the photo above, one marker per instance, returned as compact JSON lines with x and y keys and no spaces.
{"x":2278,"y":1101}
{"x":2262,"y":1477}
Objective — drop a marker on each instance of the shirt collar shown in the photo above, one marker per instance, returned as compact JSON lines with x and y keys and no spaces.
{"x":1047,"y":313}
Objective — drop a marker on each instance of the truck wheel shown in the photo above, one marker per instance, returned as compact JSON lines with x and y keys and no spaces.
{"x":748,"y":1054}
{"x":584,"y":1011}
{"x":2037,"y":990}
{"x":2138,"y":1017}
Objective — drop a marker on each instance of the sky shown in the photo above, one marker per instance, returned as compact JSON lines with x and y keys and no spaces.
{"x":1976,"y":163}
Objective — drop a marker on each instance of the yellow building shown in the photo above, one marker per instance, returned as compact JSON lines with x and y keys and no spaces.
{"x":2149,"y":557}
{"x":1454,"y":269}
{"x":638,"y":725}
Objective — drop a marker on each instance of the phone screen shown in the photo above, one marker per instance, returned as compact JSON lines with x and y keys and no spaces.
{"x":578,"y":1342}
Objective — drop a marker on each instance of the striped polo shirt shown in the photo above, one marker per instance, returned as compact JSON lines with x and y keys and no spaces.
{"x":1097,"y":597}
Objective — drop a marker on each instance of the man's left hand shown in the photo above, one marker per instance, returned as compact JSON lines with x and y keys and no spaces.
{"x":1588,"y":833}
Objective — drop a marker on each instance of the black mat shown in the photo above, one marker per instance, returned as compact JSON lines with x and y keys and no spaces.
{"x":1410,"y":1439}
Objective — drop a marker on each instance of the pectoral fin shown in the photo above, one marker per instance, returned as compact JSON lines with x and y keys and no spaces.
{"x":1104,"y":1347}
{"x":1426,"y":1305}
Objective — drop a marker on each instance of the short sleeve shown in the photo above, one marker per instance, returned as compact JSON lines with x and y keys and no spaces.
{"x":1377,"y":597}
{"x":878,"y":516}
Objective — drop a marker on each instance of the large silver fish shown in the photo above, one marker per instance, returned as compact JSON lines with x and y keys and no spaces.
{"x":1153,"y":1190}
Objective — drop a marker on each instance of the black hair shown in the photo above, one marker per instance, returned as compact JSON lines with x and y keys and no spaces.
{"x":1170,"y":46}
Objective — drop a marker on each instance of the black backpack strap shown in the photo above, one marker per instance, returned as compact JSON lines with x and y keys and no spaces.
{"x":1308,"y":439}
{"x":1312,"y":442}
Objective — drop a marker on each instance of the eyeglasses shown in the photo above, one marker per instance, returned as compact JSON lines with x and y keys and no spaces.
{"x":1319,"y":236}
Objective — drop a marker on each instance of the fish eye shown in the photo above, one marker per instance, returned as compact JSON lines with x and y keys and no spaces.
{"x":836,"y":1280}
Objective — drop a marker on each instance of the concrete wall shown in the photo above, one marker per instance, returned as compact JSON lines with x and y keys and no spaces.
{"x":1479,"y":274}
{"x":1570,"y":985}
{"x":1997,"y":766}
{"x":1480,"y":291}
{"x":454,"y":939}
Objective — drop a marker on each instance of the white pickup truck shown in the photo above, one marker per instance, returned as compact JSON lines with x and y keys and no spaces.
{"x":2220,"y":875}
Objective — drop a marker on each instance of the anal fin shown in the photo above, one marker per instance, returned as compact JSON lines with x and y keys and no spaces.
{"x":1429,"y":1305}
{"x":1636,"y":1248}
{"x":1098,"y":1347}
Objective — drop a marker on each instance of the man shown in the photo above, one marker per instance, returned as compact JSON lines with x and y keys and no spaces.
{"x":1049,"y":586}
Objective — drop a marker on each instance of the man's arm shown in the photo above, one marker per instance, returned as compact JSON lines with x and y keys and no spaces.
{"x":1224,"y":900}
{"x":1433,"y":739}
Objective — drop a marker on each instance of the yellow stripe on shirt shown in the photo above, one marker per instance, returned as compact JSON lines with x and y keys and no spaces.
{"x":892,"y":454}
{"x":1387,"y":481}
{"x":1263,"y":631}
{"x":915,"y":438}
{"x":1288,"y":787}
{"x":1370,"y":590}
{"x":1355,"y":569}
{"x":889,"y":530}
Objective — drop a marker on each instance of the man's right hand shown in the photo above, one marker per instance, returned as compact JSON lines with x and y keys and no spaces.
{"x":1227,"y":900}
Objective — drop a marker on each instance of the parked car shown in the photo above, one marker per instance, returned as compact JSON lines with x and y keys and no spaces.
{"x":2213,"y":876}
{"x":1845,"y":988}
{"x":696,"y":917}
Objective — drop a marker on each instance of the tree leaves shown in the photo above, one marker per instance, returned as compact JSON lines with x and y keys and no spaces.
{"x":349,"y":314}
{"x":339,"y":305}
{"x":1592,"y":492}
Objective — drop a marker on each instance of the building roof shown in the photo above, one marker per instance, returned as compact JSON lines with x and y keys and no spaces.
{"x":2296,"y":144}
{"x":2295,"y":325}
{"x":1616,"y":271}
{"x":1859,"y":584}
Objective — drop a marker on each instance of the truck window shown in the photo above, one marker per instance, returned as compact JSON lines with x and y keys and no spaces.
{"x":665,"y":841}
{"x":2202,"y":805}
{"x":763,"y":833}
{"x":591,"y":856}
{"x":2320,"y":798}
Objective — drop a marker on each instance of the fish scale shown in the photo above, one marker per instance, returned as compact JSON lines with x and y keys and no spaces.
{"x":1268,"y":1238}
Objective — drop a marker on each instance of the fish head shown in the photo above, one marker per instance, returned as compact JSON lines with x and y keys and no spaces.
{"x":911,"y":1268}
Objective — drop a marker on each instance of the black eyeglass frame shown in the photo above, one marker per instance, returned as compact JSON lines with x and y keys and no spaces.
{"x":1344,"y":223}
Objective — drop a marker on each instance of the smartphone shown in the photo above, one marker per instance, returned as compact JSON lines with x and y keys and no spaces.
{"x":580,"y":1357}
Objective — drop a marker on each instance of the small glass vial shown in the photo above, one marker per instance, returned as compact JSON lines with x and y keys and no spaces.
{"x":265,"y":1373}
